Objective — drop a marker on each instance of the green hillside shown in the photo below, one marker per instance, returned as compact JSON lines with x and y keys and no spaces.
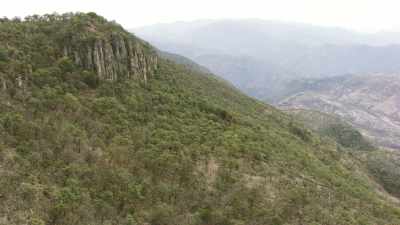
{"x":181,"y":60}
{"x":385,"y":166}
{"x":333,"y":127}
{"x":95,"y":128}
{"x":382,"y":164}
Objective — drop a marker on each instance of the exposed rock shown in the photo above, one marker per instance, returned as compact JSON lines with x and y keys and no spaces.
{"x":113,"y":57}
{"x":369,"y":103}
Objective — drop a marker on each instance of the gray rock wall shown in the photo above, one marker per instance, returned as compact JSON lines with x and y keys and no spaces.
{"x":114,"y":57}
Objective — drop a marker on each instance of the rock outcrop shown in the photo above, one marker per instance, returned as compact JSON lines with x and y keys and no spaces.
{"x":113,"y":57}
{"x":90,"y":41}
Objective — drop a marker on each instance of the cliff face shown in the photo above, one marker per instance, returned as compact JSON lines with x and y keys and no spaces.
{"x":113,"y":57}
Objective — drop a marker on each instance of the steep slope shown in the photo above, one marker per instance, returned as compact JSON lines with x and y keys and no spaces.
{"x":333,"y":127}
{"x":385,"y":167}
{"x":181,"y":60}
{"x":273,"y":53}
{"x":135,"y":139}
{"x":382,"y":164}
{"x":370,"y":103}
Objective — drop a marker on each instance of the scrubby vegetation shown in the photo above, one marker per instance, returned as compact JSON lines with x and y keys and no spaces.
{"x":382,"y":164}
{"x":332,"y":127}
{"x":385,"y":166}
{"x":177,"y":148}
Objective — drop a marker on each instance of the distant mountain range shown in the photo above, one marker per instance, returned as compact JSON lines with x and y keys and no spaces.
{"x":263,"y":58}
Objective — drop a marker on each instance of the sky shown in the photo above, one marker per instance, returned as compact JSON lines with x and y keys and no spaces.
{"x":360,"y":15}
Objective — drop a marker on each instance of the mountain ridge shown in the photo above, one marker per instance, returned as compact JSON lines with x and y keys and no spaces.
{"x":280,"y":53}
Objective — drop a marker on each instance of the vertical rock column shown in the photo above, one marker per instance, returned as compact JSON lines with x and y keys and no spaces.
{"x":116,"y":57}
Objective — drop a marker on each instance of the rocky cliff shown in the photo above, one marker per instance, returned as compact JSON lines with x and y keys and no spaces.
{"x":113,"y":56}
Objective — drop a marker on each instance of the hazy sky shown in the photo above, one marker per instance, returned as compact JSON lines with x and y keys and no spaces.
{"x":361,"y":15}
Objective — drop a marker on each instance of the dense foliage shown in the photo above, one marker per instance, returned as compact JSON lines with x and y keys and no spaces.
{"x":382,"y":164}
{"x":385,"y":166}
{"x":181,"y":148}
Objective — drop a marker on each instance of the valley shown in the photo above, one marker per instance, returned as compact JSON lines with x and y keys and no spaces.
{"x":289,"y":65}
{"x":265,"y":59}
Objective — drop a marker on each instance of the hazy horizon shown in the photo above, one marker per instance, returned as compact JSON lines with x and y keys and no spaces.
{"x":356,"y":15}
{"x":254,"y":19}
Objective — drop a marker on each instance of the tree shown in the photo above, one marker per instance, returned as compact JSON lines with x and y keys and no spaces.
{"x":91,"y":79}
{"x":3,"y":55}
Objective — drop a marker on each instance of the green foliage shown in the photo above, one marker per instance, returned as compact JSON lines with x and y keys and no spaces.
{"x":385,"y":166}
{"x":130,"y":220}
{"x":91,"y":79}
{"x":181,"y":148}
{"x":330,"y":126}
{"x":347,"y":136}
{"x":66,"y":65}
{"x":304,"y":134}
{"x":3,"y":55}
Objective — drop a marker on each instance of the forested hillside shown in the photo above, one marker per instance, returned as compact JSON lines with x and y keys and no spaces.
{"x":333,"y":127}
{"x":95,"y":128}
{"x":382,"y":164}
